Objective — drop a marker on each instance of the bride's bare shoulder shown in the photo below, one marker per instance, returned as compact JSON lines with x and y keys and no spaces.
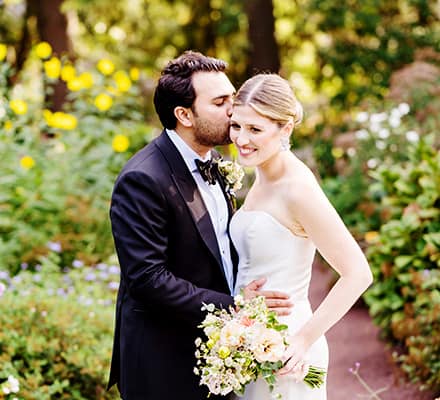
{"x":300,"y":182}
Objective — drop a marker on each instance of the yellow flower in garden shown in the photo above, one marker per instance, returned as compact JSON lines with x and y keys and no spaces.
{"x":52,"y":68}
{"x":60,"y":120}
{"x":371,"y":237}
{"x":86,"y":79}
{"x":43,"y":50}
{"x":27,"y":162}
{"x":105,"y":66}
{"x":8,"y":125}
{"x":337,"y":152}
{"x":122,"y":80}
{"x":75,"y":84}
{"x":68,"y":72}
{"x":3,"y":51}
{"x":103,"y":102}
{"x":19,"y":107}
{"x":120,"y":143}
{"x":134,"y":74}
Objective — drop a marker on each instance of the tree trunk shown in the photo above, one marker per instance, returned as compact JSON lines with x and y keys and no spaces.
{"x":263,"y":52}
{"x":52,"y":28}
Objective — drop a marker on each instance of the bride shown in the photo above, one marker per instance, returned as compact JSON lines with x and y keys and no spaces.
{"x":284,"y":219}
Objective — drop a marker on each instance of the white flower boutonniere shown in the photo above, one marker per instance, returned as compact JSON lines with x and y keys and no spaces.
{"x":233,"y":174}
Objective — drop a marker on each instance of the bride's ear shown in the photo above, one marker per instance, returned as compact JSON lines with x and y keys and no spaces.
{"x":184,"y":116}
{"x":288,"y":128}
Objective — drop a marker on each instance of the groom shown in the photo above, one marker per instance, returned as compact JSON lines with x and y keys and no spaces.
{"x":170,"y":227}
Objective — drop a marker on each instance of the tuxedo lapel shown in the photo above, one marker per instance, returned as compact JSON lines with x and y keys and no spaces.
{"x":231,"y":210}
{"x":187,"y":187}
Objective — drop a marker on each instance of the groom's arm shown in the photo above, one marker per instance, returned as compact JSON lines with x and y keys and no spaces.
{"x":139,"y":223}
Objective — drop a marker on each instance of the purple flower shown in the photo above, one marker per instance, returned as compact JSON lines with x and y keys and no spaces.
{"x":90,"y":277}
{"x":103,"y":275}
{"x":38,"y":267}
{"x":113,"y":285}
{"x":4,"y":275}
{"x":101,"y":266}
{"x":54,"y":246}
{"x":77,"y":264}
{"x":24,"y":266}
{"x":114,"y":269}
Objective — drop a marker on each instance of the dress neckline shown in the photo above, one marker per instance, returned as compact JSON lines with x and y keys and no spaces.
{"x":273,"y":219}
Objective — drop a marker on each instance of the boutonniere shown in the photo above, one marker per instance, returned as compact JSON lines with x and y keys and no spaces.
{"x":233,"y":175}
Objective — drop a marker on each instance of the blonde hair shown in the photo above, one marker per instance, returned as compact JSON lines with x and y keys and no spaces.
{"x":272,"y":97}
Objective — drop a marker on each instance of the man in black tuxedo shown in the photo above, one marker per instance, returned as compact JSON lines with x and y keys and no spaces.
{"x":170,"y":228}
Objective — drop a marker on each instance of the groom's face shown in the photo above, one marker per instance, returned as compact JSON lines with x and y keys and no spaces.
{"x":212,"y":108}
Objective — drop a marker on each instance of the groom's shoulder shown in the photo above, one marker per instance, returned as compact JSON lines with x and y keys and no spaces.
{"x":148,"y":160}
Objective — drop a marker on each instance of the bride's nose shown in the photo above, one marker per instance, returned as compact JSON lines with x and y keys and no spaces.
{"x":242,"y":138}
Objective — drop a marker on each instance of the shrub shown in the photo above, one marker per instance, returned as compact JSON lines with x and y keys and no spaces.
{"x":405,"y":297}
{"x":57,"y":331}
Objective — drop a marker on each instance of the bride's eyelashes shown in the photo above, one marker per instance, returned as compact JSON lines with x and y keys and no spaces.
{"x":252,"y":129}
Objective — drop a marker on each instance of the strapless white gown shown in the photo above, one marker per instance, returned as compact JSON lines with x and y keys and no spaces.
{"x":268,"y":249}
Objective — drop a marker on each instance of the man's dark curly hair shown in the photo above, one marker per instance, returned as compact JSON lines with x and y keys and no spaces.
{"x":175,"y":86}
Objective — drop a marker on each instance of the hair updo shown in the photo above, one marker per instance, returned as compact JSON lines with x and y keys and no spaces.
{"x":272,"y":97}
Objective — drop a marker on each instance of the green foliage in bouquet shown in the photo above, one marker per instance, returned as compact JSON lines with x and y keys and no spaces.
{"x":56,"y":330}
{"x":405,"y":257}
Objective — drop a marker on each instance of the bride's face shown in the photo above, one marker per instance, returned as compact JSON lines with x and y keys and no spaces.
{"x":257,"y":138}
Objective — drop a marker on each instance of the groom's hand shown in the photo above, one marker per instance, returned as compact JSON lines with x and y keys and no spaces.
{"x":276,"y":301}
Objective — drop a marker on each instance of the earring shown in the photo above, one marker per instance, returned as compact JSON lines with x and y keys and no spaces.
{"x":285,"y":143}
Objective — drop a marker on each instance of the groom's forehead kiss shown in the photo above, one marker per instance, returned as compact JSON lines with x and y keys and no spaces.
{"x":212,"y":88}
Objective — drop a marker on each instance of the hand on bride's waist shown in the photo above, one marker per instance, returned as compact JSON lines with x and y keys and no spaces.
{"x":276,"y":301}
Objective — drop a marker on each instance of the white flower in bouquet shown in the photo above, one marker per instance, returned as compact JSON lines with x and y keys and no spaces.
{"x":243,"y":345}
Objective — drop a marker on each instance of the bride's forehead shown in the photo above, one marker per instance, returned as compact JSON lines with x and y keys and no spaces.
{"x":246,"y":114}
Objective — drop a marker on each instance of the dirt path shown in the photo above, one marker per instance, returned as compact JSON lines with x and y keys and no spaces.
{"x":355,"y":339}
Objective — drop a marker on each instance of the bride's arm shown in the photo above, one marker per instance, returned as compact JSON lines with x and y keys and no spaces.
{"x":311,"y":208}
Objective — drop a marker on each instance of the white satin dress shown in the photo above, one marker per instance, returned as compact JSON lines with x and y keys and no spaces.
{"x":268,"y":249}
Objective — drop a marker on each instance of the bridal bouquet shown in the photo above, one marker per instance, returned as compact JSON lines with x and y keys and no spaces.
{"x":243,"y":345}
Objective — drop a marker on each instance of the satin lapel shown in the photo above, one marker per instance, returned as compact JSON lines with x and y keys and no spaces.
{"x":222,"y":183}
{"x":231,"y":210}
{"x":187,"y":187}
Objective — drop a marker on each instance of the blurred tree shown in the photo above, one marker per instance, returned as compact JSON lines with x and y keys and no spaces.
{"x":263,"y":48}
{"x":52,"y":28}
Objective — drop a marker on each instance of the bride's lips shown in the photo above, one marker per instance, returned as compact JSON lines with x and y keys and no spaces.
{"x":245,"y":151}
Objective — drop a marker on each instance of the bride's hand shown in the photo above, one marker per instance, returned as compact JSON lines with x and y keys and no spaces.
{"x":275,"y":301}
{"x":295,"y":357}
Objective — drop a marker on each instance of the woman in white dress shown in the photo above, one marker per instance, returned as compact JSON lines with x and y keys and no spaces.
{"x":284,"y":219}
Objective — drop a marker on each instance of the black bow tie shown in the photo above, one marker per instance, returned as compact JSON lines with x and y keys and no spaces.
{"x":208,"y":170}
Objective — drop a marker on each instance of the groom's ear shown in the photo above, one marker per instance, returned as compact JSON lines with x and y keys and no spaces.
{"x":184,"y":116}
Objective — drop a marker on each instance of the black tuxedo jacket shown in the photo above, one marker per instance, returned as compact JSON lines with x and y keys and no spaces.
{"x":170,"y":265}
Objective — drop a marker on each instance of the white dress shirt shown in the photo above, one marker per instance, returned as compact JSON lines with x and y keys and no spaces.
{"x":214,"y":200}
